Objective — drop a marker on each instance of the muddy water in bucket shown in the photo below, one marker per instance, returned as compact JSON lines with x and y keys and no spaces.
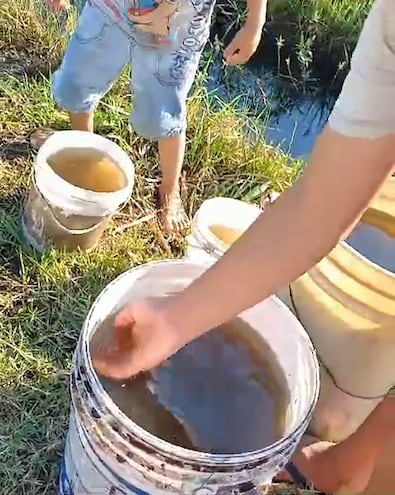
{"x":227,"y":235}
{"x":80,"y":180}
{"x":224,"y":393}
{"x":88,"y":168}
{"x":257,"y":387}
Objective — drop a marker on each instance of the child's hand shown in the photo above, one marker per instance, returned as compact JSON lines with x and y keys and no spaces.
{"x":58,"y":5}
{"x":243,"y":45}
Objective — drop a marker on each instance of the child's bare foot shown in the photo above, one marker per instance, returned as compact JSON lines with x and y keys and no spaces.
{"x":39,"y":136}
{"x":341,"y":468}
{"x":171,"y":213}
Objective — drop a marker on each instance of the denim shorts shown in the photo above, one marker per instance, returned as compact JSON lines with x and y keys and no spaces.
{"x":161,"y":79}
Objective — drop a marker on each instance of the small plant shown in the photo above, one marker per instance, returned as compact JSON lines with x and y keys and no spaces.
{"x":305,"y":56}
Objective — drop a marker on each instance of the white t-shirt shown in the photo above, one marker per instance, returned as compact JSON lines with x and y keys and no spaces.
{"x":365,"y":107}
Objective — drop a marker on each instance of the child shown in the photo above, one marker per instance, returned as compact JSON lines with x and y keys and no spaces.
{"x":163,"y":40}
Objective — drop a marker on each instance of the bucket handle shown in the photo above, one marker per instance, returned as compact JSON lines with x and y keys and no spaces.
{"x":56,"y":221}
{"x":203,"y":245}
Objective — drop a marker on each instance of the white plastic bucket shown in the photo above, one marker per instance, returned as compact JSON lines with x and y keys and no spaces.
{"x":60,"y":214}
{"x":203,"y":245}
{"x":107,"y":453}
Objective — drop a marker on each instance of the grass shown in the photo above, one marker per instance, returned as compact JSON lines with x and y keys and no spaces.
{"x":45,"y":298}
{"x":311,"y":40}
{"x":32,"y":39}
{"x":322,"y":35}
{"x":333,"y":23}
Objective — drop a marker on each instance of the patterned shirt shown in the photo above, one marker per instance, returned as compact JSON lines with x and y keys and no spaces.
{"x":160,"y":22}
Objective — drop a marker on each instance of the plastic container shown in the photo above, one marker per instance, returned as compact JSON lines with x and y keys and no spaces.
{"x":107,"y":453}
{"x":62,"y":215}
{"x":203,"y":245}
{"x":381,"y":211}
{"x":347,"y":305}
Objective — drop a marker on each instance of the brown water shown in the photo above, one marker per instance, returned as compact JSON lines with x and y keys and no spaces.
{"x":88,"y":168}
{"x":375,"y":244}
{"x":223,"y":393}
{"x":227,"y":235}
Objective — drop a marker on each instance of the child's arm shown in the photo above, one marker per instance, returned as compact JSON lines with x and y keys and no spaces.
{"x":246,"y":41}
{"x":256,"y":14}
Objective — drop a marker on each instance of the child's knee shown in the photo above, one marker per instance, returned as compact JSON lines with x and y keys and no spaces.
{"x":70,"y":94}
{"x":156,"y":122}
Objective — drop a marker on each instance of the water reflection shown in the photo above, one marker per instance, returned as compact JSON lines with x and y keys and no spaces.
{"x":375,"y":245}
{"x":296,"y":128}
{"x":293,"y":118}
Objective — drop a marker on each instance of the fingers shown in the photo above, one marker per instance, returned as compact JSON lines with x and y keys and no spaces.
{"x":124,"y":337}
{"x":234,"y":55}
{"x":112,"y":357}
{"x":113,"y":364}
{"x":241,"y":48}
{"x":63,"y":5}
{"x":238,"y":58}
{"x":58,"y":5}
{"x":230,"y":50}
{"x":125,"y":317}
{"x":124,"y":323}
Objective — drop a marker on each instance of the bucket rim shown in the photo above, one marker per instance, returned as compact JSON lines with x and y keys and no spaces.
{"x":174,"y":451}
{"x":228,"y":199}
{"x":381,"y":269}
{"x":205,"y":237}
{"x":76,"y":192}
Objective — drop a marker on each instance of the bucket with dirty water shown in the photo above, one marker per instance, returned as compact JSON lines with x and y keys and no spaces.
{"x":222,"y":416}
{"x":217,"y":224}
{"x":79,"y":181}
{"x":346,"y":303}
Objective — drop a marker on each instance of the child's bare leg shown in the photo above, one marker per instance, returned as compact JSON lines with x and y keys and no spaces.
{"x":171,"y":154}
{"x":78,"y":122}
{"x":161,"y":83}
{"x":82,"y":121}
